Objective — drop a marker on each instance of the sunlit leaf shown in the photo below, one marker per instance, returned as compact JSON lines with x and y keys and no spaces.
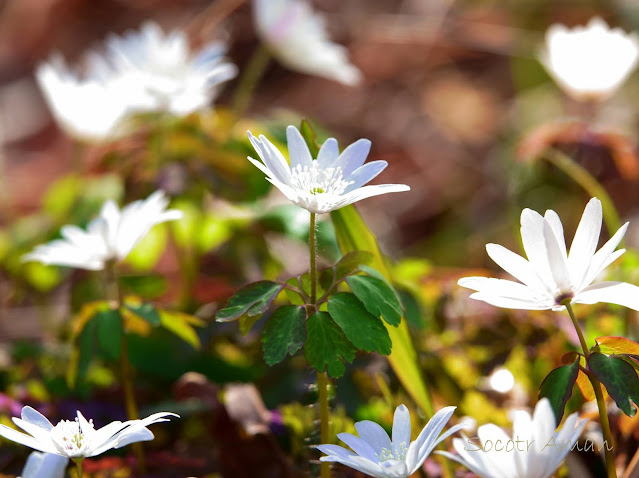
{"x":619,"y":378}
{"x":181,"y":325}
{"x":284,"y":333}
{"x":615,"y":346}
{"x":144,"y":310}
{"x":557,"y":387}
{"x":377,"y":296}
{"x":326,"y":345}
{"x":253,"y":299}
{"x":148,"y":251}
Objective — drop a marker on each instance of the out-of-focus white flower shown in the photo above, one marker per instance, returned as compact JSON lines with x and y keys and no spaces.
{"x":164,"y":71}
{"x":590,"y":62}
{"x":44,"y":465}
{"x":111,"y":236}
{"x":535,"y":449}
{"x":330,"y":182}
{"x":297,"y":37}
{"x":550,"y":276}
{"x":90,"y":107}
{"x":78,"y":439}
{"x":376,"y":455}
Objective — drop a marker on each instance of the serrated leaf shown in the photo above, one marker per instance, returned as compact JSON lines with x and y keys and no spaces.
{"x":350,"y":263}
{"x":181,"y":325}
{"x":284,"y":333}
{"x":144,"y":310}
{"x":362,"y":329}
{"x":326,"y":345}
{"x":377,"y":296}
{"x":557,"y":387}
{"x":619,"y":378}
{"x":310,"y":137}
{"x":109,"y":332}
{"x":615,"y":346}
{"x":253,"y":299}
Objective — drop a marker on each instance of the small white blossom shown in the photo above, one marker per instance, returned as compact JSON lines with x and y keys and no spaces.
{"x":167,"y":75}
{"x":330,"y":182}
{"x":44,"y":465}
{"x":551,"y":276}
{"x":111,"y":236}
{"x":375,"y":454}
{"x":535,"y":449}
{"x":297,"y":37}
{"x":590,"y":62}
{"x":78,"y":439}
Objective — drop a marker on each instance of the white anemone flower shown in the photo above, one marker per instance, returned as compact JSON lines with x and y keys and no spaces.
{"x":330,"y":182}
{"x":375,"y":454}
{"x":92,"y":107}
{"x":111,"y":236}
{"x":44,"y":465}
{"x":297,"y":38}
{"x":590,"y":62}
{"x":535,"y":449}
{"x":551,"y":276}
{"x":78,"y":439}
{"x":167,"y":75}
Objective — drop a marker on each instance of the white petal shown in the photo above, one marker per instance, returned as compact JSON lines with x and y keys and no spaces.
{"x":364,"y":174}
{"x":534,"y":241}
{"x":585,"y":242}
{"x":552,"y":218}
{"x":556,"y":260}
{"x":328,"y":154}
{"x":620,"y":293}
{"x":354,"y":156}
{"x":605,"y":256}
{"x":369,"y":191}
{"x":44,"y":465}
{"x":498,"y":287}
{"x":508,"y":303}
{"x":516,"y":266}
{"x":34,"y":417}
{"x":297,"y":148}
{"x":335,"y":450}
{"x":401,"y":428}
{"x":427,"y":439}
{"x":374,"y":435}
{"x":359,"y":446}
{"x":26,"y":440}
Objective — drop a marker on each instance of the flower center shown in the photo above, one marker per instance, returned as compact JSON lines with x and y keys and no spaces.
{"x":562,"y":297}
{"x":399,"y":454}
{"x":68,"y":436}
{"x":315,"y":180}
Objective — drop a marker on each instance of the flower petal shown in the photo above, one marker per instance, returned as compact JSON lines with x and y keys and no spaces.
{"x":422,"y":447}
{"x":335,"y":451}
{"x":516,"y":266}
{"x":556,"y":260}
{"x":605,"y":256}
{"x":31,"y":415}
{"x":509,"y":303}
{"x":328,"y":154}
{"x":44,"y":465}
{"x":297,"y":148}
{"x":26,"y":440}
{"x":354,"y":156}
{"x":401,"y":428}
{"x":364,"y":174}
{"x":373,"y":434}
{"x":553,"y":220}
{"x":585,"y":242}
{"x":620,"y":293}
{"x":367,"y":192}
{"x":534,"y":241}
{"x":359,"y":446}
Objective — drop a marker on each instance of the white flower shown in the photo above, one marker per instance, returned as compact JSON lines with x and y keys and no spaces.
{"x":330,"y":182}
{"x":92,"y":107}
{"x":297,"y":37}
{"x":162,"y":68}
{"x":550,"y":276}
{"x":44,"y":465}
{"x":78,"y":439}
{"x":535,"y":450}
{"x":111,"y":236}
{"x":376,"y":455}
{"x":590,"y":62}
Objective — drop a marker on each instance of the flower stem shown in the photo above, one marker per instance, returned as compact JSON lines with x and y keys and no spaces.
{"x":601,"y":403}
{"x":78,"y":463}
{"x":252,"y":73}
{"x":589,"y":183}
{"x":322,"y":378}
{"x":125,"y":367}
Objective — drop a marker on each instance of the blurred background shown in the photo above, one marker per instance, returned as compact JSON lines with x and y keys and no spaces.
{"x":453,"y":96}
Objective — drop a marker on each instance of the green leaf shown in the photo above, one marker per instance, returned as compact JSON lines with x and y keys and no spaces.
{"x":377,"y":296}
{"x":180,"y":324}
{"x":350,"y":263}
{"x":557,"y":387}
{"x":310,"y":137}
{"x":364,"y":330}
{"x":284,"y":333}
{"x":252,"y":299}
{"x":109,"y":330}
{"x":148,"y":286}
{"x":619,"y":378}
{"x":326,"y":345}
{"x":353,"y":235}
{"x":615,"y":346}
{"x":144,"y":310}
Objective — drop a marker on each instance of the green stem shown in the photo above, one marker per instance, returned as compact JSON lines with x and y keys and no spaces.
{"x":252,"y":73}
{"x":601,"y":403}
{"x":78,"y":463}
{"x":589,"y":183}
{"x":322,"y":378}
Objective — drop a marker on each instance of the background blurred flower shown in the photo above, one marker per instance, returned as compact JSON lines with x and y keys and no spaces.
{"x":111,"y":236}
{"x":45,"y":465}
{"x":168,"y":76}
{"x":551,"y":276}
{"x":330,"y":182}
{"x":535,"y":449}
{"x":590,"y":62}
{"x":378,"y":456}
{"x":297,"y":37}
{"x":79,"y":439}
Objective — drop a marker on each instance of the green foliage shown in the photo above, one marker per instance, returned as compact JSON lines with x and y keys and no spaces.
{"x":363,"y":330}
{"x":109,"y":330}
{"x":285,"y":333}
{"x":181,"y":325}
{"x":378,"y":297}
{"x":310,"y":137}
{"x":326,"y":345}
{"x":616,"y":346}
{"x":145,"y":311}
{"x":619,"y":378}
{"x":557,"y":387}
{"x":253,"y":300}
